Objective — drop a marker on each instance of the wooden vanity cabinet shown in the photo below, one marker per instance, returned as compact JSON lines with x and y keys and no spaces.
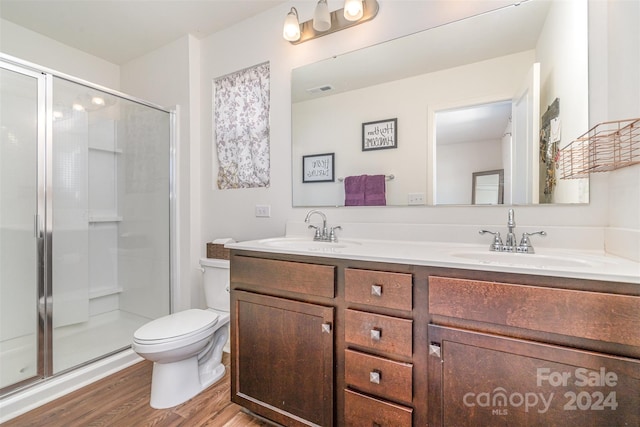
{"x":328,"y":341}
{"x":282,"y":345}
{"x":494,"y":363}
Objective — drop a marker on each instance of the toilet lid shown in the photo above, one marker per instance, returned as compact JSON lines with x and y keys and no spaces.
{"x":176,"y":325}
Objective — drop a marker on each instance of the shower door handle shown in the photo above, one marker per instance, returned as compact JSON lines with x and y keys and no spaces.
{"x":37,"y":227}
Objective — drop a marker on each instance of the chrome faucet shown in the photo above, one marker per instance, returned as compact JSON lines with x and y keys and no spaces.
{"x":322,"y":234}
{"x":511,"y":226}
{"x":510,"y":244}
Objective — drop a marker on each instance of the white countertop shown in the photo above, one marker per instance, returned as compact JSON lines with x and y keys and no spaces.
{"x":568,"y":263}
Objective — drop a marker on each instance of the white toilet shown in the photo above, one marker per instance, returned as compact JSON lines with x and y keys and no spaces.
{"x":186,"y":347}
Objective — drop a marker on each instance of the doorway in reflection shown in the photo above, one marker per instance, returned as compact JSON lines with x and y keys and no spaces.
{"x":470,"y":141}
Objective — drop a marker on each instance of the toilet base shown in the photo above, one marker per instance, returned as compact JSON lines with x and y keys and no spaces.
{"x":213,"y":376}
{"x":174,"y":383}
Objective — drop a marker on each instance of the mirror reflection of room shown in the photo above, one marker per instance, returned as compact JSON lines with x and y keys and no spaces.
{"x":526,"y":57}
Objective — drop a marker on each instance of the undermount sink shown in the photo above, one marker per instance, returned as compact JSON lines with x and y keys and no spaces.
{"x":531,"y":260}
{"x":306,"y":244}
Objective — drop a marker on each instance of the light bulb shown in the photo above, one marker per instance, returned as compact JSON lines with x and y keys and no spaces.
{"x":353,"y":10}
{"x":96,"y":100}
{"x":291,"y":30}
{"x":321,"y":16}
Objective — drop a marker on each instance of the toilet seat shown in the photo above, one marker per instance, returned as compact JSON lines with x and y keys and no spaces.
{"x":176,"y":327}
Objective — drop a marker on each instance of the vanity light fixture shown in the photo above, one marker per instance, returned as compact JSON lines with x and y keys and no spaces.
{"x":291,"y":30}
{"x":355,"y":12}
{"x":321,"y":16}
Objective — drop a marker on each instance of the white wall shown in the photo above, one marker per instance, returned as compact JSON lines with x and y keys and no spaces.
{"x":456,"y":165}
{"x":30,"y":46}
{"x":562,"y":52}
{"x":615,"y":35}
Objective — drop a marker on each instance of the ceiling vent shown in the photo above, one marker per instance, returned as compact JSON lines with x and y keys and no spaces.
{"x":320,"y":89}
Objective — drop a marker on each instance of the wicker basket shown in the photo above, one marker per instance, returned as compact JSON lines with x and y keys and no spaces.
{"x":217,"y":250}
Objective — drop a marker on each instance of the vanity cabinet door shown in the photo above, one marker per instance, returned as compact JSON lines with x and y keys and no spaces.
{"x":482,"y":379}
{"x":283,"y":359}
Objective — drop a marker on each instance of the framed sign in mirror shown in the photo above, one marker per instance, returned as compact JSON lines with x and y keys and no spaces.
{"x":318,"y":168}
{"x":380,"y":135}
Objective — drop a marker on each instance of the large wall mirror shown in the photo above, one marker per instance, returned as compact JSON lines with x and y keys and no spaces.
{"x":503,"y":90}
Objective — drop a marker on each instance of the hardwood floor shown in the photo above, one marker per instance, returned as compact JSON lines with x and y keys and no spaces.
{"x":122,"y":399}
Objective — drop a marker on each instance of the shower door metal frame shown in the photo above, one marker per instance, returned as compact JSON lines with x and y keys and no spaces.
{"x":39,"y":227}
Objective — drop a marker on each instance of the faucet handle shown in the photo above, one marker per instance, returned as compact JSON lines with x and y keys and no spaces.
{"x":332,"y":233}
{"x":497,"y":240}
{"x":525,"y":244}
{"x":318,"y":234}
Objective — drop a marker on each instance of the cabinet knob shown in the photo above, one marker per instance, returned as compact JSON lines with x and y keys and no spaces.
{"x":434,"y":350}
{"x":376,"y":290}
{"x":374,"y":377}
{"x":326,"y":328}
{"x":376,"y":334}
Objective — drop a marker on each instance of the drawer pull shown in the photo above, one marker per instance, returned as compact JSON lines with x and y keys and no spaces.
{"x":376,"y":290}
{"x":374,"y":377}
{"x":376,"y":334}
{"x":326,"y":328}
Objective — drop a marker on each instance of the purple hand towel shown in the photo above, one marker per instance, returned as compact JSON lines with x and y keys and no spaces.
{"x":374,"y":191}
{"x":354,"y":190}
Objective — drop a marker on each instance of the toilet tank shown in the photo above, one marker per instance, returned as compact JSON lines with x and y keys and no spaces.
{"x":215,"y":281}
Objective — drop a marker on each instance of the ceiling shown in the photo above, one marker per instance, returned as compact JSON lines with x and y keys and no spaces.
{"x":121,"y":30}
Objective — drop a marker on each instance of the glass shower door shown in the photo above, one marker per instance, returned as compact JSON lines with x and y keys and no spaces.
{"x":110,"y":182}
{"x":20,"y":267}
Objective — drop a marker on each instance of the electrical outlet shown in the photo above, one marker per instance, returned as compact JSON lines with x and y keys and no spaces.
{"x":416,"y":198}
{"x":263,"y":211}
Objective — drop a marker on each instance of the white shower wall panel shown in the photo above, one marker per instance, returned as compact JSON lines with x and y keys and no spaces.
{"x":70,"y":241}
{"x":103,"y":262}
{"x":102,"y":184}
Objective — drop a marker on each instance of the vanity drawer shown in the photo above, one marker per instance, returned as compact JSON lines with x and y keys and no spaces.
{"x":378,"y":332}
{"x":365,"y":411}
{"x":379,"y":288}
{"x":377,"y":375}
{"x":308,"y":279}
{"x":584,"y":314}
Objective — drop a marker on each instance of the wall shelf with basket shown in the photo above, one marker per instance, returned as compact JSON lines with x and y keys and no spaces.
{"x":605,"y":147}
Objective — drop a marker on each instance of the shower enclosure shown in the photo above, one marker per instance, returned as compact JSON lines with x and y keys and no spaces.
{"x":85,"y":182}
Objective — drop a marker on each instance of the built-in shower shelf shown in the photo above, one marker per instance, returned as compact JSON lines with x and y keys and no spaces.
{"x":106,"y":218}
{"x":103,"y":292}
{"x":107,"y":150}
